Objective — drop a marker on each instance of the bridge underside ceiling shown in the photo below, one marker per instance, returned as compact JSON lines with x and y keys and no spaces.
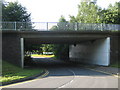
{"x":59,"y":40}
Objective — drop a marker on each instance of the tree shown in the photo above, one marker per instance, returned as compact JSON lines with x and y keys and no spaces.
{"x":15,"y":12}
{"x":87,"y":13}
{"x":33,"y":48}
{"x":111,"y":15}
{"x":63,"y":23}
{"x":73,"y":19}
{"x":54,"y":28}
{"x":47,"y":47}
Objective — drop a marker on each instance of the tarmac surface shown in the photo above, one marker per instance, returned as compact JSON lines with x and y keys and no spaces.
{"x":67,"y":75}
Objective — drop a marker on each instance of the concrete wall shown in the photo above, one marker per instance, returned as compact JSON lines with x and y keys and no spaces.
{"x":93,"y":52}
{"x":114,"y":49}
{"x":11,"y":50}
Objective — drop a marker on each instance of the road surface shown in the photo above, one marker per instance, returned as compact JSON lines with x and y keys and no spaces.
{"x":64,"y":75}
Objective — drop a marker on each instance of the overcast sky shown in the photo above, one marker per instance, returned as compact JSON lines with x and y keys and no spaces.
{"x":51,"y":10}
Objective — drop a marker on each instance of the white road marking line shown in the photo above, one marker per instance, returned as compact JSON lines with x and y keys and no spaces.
{"x":65,"y":84}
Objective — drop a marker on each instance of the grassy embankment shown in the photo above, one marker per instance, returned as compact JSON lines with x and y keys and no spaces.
{"x":11,"y":72}
{"x":117,"y":65}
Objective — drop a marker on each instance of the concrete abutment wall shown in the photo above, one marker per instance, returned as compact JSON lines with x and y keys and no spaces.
{"x":12,"y":49}
{"x":92,"y":52}
{"x":114,"y":49}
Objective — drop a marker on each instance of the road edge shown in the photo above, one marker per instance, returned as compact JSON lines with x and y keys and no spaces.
{"x":103,"y":72}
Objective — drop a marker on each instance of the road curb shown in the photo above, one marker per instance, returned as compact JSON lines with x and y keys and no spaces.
{"x":104,"y":72}
{"x":41,"y":75}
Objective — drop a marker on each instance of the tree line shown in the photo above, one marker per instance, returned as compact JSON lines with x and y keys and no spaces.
{"x":89,"y":12}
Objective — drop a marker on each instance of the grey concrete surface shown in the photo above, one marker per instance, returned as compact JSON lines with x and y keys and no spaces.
{"x":68,"y":75}
{"x":110,"y":70}
{"x":11,"y":48}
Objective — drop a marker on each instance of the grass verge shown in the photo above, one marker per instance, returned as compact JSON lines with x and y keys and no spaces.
{"x":116,"y":65}
{"x":11,"y":72}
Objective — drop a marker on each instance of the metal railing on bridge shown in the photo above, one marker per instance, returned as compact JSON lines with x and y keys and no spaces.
{"x":51,"y":26}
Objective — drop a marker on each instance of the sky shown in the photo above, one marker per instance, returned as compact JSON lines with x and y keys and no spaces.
{"x":51,"y":10}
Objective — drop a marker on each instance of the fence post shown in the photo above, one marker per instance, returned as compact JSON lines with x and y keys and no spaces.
{"x":1,"y":26}
{"x":76,"y":26}
{"x":15,"y":26}
{"x":101,"y":27}
{"x":47,"y":26}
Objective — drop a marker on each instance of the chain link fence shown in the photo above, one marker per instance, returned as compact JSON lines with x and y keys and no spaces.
{"x":52,"y":26}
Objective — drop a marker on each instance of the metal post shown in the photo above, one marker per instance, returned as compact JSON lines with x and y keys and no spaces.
{"x":47,"y":26}
{"x":1,"y":26}
{"x":101,"y":27}
{"x":15,"y":26}
{"x":76,"y":26}
{"x":22,"y":52}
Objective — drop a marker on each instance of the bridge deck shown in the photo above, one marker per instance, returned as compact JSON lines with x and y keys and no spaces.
{"x":70,"y":37}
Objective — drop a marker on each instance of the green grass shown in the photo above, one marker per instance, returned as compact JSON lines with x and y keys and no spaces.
{"x":117,"y":65}
{"x":11,"y":72}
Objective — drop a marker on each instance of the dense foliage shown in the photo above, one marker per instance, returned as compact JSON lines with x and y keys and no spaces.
{"x":32,"y":48}
{"x":89,"y":12}
{"x":15,"y":12}
{"x":111,"y":15}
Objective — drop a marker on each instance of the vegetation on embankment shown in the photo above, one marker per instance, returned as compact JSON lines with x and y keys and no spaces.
{"x":116,"y":65}
{"x":11,"y":72}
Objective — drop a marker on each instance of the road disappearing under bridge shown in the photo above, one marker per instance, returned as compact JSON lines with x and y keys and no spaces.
{"x":67,"y":75}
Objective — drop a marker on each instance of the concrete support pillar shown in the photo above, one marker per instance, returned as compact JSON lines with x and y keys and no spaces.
{"x":22,"y":52}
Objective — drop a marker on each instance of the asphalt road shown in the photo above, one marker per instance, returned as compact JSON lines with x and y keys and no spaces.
{"x":68,"y":75}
